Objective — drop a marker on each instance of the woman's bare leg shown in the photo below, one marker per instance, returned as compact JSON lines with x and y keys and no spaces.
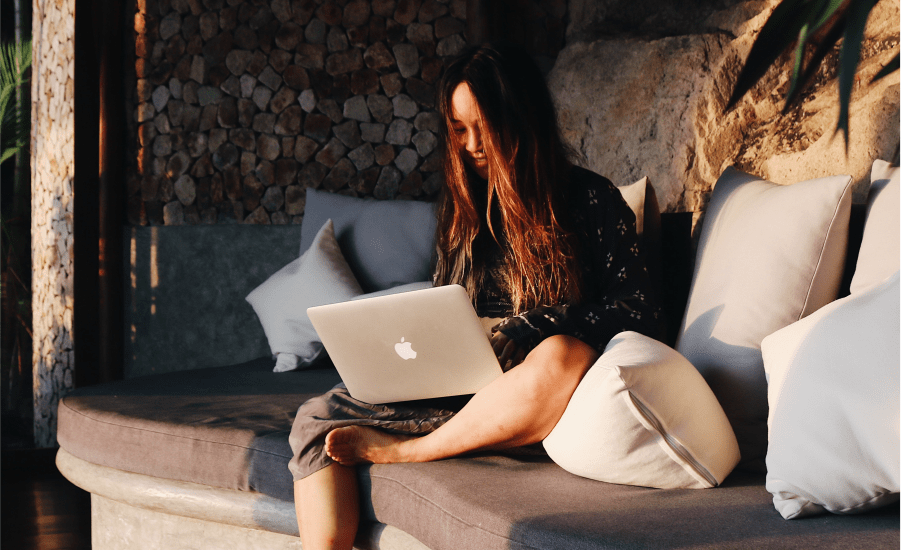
{"x":327,"y":507}
{"x":520,"y":407}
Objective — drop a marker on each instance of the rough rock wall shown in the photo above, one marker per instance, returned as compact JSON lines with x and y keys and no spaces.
{"x":652,"y":105}
{"x":591,"y":19}
{"x":52,"y":201}
{"x":239,"y":107}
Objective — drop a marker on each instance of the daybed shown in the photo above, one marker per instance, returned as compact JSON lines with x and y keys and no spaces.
{"x":197,"y":458}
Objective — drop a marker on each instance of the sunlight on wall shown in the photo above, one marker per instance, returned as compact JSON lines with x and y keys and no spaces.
{"x":132,"y":259}
{"x":154,"y":269}
{"x":52,"y":244}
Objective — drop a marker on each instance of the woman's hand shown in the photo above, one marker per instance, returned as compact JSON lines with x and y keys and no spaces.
{"x":508,"y":353}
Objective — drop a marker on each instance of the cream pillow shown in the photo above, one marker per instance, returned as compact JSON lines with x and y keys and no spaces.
{"x":642,"y":200}
{"x":319,"y":276}
{"x":644,"y":416}
{"x":834,"y":402}
{"x":768,"y":255}
{"x":879,"y":250}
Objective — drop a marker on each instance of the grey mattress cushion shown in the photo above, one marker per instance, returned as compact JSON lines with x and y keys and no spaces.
{"x":492,"y":502}
{"x":228,"y":427}
{"x":221,"y":426}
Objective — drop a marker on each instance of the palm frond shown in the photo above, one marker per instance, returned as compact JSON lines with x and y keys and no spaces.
{"x":15,"y":59}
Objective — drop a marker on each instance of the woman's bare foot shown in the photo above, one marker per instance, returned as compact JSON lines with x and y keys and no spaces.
{"x":356,"y":444}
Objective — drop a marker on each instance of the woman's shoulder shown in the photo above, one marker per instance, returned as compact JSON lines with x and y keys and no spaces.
{"x":593,"y":187}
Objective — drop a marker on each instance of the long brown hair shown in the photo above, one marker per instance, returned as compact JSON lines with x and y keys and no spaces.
{"x":528,"y":179}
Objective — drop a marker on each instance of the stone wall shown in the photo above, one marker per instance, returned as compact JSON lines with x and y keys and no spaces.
{"x":238,"y":107}
{"x":52,"y":171}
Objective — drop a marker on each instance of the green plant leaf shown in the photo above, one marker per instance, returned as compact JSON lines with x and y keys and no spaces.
{"x":822,"y":12}
{"x":15,"y":59}
{"x":14,"y":133}
{"x":777,"y":34}
{"x":889,"y":68}
{"x":828,"y":9}
{"x":858,"y":12}
{"x":825,"y":46}
{"x":799,"y":61}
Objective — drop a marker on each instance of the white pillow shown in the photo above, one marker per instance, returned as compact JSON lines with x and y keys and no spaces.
{"x":643,"y":415}
{"x":642,"y":199}
{"x":768,"y":255}
{"x":879,"y":251}
{"x":834,"y":402}
{"x":320,"y":276}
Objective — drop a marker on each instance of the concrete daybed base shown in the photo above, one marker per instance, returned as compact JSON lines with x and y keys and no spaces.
{"x":147,"y":513}
{"x":477,"y":502}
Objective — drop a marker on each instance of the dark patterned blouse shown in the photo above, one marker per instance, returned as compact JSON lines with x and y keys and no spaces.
{"x":616,"y":287}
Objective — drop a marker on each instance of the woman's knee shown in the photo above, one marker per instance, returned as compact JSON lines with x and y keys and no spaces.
{"x":556,"y":366}
{"x":565,"y":355}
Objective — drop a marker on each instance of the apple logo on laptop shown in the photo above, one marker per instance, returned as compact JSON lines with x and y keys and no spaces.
{"x":405,"y":349}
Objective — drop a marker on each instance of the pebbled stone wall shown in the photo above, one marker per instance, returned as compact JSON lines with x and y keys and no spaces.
{"x":52,"y":202}
{"x":239,"y":107}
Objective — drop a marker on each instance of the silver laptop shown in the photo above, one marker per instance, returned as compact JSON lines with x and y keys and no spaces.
{"x":413,"y":345}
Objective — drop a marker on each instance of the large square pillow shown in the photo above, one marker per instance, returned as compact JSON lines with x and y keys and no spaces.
{"x":319,"y":276}
{"x":768,"y":256}
{"x":879,"y":250}
{"x":386,"y":243}
{"x":643,"y":415}
{"x":833,"y":394}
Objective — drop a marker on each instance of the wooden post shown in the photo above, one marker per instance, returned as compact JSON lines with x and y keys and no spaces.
{"x":99,"y":157}
{"x":110,"y":211}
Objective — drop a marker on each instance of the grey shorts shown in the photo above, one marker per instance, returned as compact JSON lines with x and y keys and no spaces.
{"x":337,"y":409}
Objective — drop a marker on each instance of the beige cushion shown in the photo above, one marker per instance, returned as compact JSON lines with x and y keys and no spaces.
{"x":319,"y":276}
{"x":644,"y":416}
{"x":833,"y":394}
{"x":879,"y":251}
{"x":642,"y":199}
{"x":768,"y":255}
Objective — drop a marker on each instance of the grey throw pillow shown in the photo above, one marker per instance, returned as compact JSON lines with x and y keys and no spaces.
{"x":386,"y":243}
{"x":319,"y":276}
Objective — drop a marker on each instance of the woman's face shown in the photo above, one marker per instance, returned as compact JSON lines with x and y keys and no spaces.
{"x":467,"y":130}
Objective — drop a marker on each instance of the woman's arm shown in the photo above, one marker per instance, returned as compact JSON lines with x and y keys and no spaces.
{"x":616,"y":288}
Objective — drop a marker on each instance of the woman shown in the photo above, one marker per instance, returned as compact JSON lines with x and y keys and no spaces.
{"x":547,"y":247}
